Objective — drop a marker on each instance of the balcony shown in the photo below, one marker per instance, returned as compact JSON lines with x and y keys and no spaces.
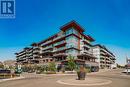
{"x":58,"y":37}
{"x":102,"y":60}
{"x":35,"y":56}
{"x":46,"y":52}
{"x":36,"y":51}
{"x":46,"y":48}
{"x":47,"y":42}
{"x":60,"y":44}
{"x":31,"y":57}
{"x":92,"y":63}
{"x":86,"y":47}
{"x":86,"y":52}
{"x":89,"y":55}
{"x":59,"y":49}
{"x":60,"y":54}
{"x":86,"y":42}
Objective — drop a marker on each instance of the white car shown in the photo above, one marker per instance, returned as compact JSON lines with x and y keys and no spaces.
{"x":126,"y":70}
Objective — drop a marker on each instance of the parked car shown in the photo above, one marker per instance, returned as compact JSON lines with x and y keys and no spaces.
{"x":5,"y":71}
{"x":126,"y":71}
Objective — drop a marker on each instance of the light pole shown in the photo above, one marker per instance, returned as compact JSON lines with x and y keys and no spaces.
{"x":127,"y":61}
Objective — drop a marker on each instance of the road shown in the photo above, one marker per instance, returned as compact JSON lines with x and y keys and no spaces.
{"x":31,"y":80}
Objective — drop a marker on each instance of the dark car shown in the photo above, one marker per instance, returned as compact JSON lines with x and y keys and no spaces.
{"x":4,"y":71}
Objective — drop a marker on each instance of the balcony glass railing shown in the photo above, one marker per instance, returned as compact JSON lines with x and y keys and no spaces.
{"x":59,"y":49}
{"x":35,"y":51}
{"x":47,"y":47}
{"x":85,"y":40}
{"x":46,"y":42}
{"x":58,"y":37}
{"x":58,"y":43}
{"x":60,"y":54}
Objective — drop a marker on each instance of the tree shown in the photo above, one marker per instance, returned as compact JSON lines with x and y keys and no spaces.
{"x":52,"y":67}
{"x":1,"y":66}
{"x":71,"y":63}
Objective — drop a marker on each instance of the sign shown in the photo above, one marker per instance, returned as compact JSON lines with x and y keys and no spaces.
{"x":7,"y":8}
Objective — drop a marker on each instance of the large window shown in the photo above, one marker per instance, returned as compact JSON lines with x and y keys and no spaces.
{"x":71,"y":31}
{"x":75,"y":32}
{"x":72,"y":41}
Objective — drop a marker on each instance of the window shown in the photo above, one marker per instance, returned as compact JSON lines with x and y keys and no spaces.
{"x":71,"y":31}
{"x":75,"y":32}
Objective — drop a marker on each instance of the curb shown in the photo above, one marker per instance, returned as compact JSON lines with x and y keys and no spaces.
{"x":56,"y":74}
{"x":75,"y":84}
{"x":3,"y":80}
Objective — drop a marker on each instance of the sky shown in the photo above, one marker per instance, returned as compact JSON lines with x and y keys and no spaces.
{"x":107,"y":21}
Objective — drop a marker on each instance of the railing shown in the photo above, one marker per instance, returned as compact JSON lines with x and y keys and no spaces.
{"x":46,"y":42}
{"x":36,"y":51}
{"x":60,"y":54}
{"x":59,"y":49}
{"x":58,"y":43}
{"x":87,"y":52}
{"x":47,"y":48}
{"x":35,"y":55}
{"x":85,"y":40}
{"x":58,"y":37}
{"x":86,"y":46}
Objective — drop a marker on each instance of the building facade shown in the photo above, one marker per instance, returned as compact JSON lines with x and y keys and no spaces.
{"x":71,"y":40}
{"x":105,"y":58}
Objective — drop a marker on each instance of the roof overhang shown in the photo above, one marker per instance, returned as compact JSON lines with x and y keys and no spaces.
{"x":73,"y":24}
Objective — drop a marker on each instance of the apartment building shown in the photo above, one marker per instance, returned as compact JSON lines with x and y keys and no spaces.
{"x":105,"y":58}
{"x":70,"y":40}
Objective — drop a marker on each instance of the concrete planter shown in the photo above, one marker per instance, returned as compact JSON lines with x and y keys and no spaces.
{"x":81,"y":75}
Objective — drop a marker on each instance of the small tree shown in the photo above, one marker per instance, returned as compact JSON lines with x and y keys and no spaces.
{"x":71,"y":63}
{"x":52,"y":67}
{"x":1,"y":66}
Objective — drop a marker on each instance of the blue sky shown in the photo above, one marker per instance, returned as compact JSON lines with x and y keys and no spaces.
{"x":107,"y":21}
